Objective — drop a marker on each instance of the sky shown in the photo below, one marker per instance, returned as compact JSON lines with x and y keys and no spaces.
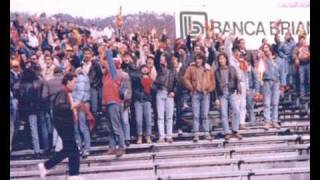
{"x":105,"y":8}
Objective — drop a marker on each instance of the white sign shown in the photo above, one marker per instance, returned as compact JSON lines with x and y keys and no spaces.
{"x":252,"y":24}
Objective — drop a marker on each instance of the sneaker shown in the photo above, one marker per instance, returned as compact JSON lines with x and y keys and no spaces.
{"x":85,"y":154}
{"x":237,"y":135}
{"x":111,"y":152}
{"x":227,"y":136}
{"x":148,"y":139}
{"x":161,"y":140}
{"x":267,"y":126}
{"x":169,"y":140}
{"x":196,"y":138}
{"x":75,"y":178}
{"x":127,"y":142}
{"x":276,"y":125}
{"x":120,"y":152}
{"x":43,"y":170}
{"x":208,"y":137}
{"x":180,"y":132}
{"x":139,"y":141}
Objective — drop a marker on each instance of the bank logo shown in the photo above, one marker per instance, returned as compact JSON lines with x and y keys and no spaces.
{"x":194,"y":21}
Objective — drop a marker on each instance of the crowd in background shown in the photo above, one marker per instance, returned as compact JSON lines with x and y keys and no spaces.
{"x":138,"y":81}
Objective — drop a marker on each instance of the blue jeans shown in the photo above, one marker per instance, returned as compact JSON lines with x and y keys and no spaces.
{"x":143,"y":111}
{"x":200,"y":110}
{"x":224,"y":100}
{"x":304,"y":76}
{"x":116,"y":134}
{"x":271,"y":95}
{"x":250,"y":106}
{"x":46,"y":128}
{"x":32,"y":118}
{"x":165,"y":106}
{"x":125,"y":121}
{"x":293,"y":77}
{"x":94,"y":100}
{"x":82,"y":126}
{"x":15,"y":114}
{"x":180,"y":100}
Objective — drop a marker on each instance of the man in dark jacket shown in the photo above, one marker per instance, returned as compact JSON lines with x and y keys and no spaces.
{"x":29,"y":101}
{"x":166,"y":84}
{"x":228,"y":88}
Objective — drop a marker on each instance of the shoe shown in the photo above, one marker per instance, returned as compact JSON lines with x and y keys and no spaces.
{"x":208,"y":137}
{"x":237,"y":135}
{"x":139,"y":141}
{"x":169,"y":140}
{"x":267,"y":126}
{"x":161,"y":140}
{"x":85,"y":154}
{"x":127,"y":142}
{"x":276,"y":125}
{"x":75,"y":178}
{"x":120,"y":152}
{"x":196,"y":138}
{"x":37,"y":155}
{"x":148,"y":139}
{"x":243,"y":127}
{"x":111,"y":152}
{"x":227,"y":136}
{"x":180,"y":132}
{"x":43,"y":170}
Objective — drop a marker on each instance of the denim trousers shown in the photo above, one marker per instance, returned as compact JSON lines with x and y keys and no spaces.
{"x":46,"y":128}
{"x":81,"y":128}
{"x":232,"y":100}
{"x":11,"y":131}
{"x":165,"y":108}
{"x":143,"y":112}
{"x":242,"y":103}
{"x":94,"y":95}
{"x":250,"y":106}
{"x":116,"y":134}
{"x":271,"y":95}
{"x":304,"y":76}
{"x":124,"y":115}
{"x":180,"y":100}
{"x":200,"y":110}
{"x":33,"y":123}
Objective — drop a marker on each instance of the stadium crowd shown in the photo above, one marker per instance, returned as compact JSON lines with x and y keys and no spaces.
{"x":141,"y":80}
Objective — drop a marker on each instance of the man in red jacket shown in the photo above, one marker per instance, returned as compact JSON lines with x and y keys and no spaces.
{"x":111,"y":102}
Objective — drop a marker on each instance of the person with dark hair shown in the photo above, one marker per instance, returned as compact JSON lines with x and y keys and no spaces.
{"x":166,"y":87}
{"x":286,"y":52}
{"x":199,"y":79}
{"x":30,"y":101}
{"x":273,"y":83}
{"x":64,"y":117}
{"x":228,"y":88}
{"x":91,"y":67}
{"x":142,"y":97}
{"x":301,"y":58}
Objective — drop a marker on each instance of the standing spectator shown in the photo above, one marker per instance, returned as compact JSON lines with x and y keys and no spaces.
{"x":64,"y":113}
{"x":252,"y":91}
{"x":29,"y":102}
{"x":49,"y":91}
{"x":111,"y":101}
{"x":286,"y":52}
{"x":81,"y":94}
{"x":141,"y":85}
{"x":166,"y":84}
{"x":273,"y":76}
{"x":302,"y":61}
{"x":199,"y":79}
{"x":15,"y":75}
{"x":92,"y":69}
{"x":228,"y":88}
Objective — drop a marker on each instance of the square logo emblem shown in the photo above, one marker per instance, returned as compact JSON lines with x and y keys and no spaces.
{"x":193,"y":21}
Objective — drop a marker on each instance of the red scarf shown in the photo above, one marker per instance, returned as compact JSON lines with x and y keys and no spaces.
{"x":147,"y":84}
